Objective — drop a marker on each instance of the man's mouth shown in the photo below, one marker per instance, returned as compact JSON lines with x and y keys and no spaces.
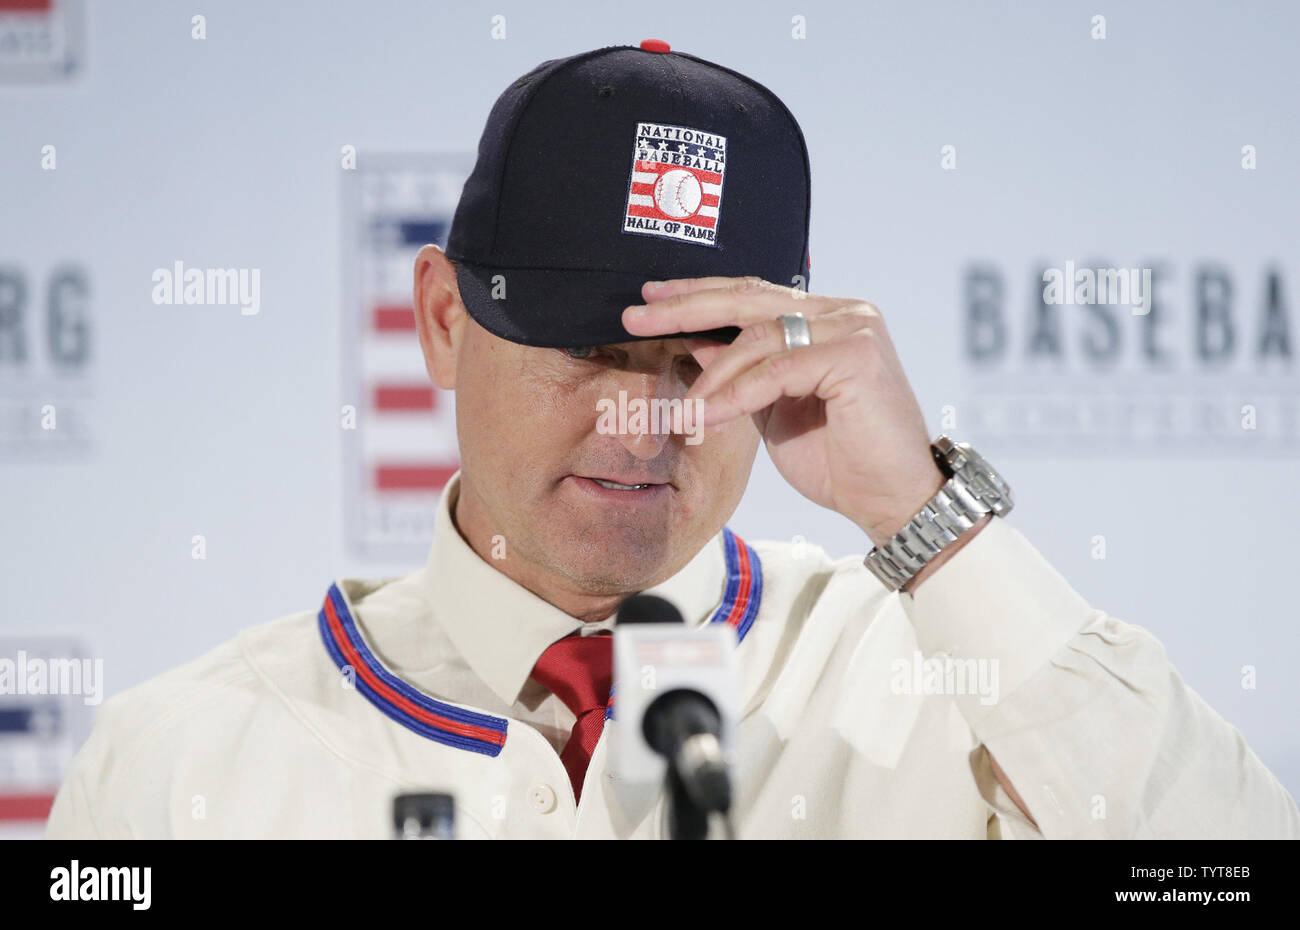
{"x":623,"y":488}
{"x":615,"y":486}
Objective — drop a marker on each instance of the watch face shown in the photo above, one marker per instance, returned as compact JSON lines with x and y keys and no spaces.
{"x":982,"y":478}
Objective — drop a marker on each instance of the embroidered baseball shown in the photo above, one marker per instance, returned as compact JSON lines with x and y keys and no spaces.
{"x":678,"y":193}
{"x":676,"y":186}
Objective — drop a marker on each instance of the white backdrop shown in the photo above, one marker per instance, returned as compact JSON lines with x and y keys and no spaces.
{"x":225,"y":152}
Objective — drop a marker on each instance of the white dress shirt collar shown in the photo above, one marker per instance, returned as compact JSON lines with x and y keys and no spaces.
{"x":501,"y":628}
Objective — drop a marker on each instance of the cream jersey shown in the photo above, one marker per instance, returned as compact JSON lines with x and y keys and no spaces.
{"x":865,"y":713}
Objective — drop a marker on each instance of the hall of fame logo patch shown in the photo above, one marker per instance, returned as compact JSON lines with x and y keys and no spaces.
{"x":676,"y":186}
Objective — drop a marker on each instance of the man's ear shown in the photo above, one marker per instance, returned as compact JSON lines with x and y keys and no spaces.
{"x":439,"y":315}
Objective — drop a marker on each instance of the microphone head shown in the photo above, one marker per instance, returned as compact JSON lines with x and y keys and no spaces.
{"x":656,"y":656}
{"x":648,"y":608}
{"x":424,"y":815}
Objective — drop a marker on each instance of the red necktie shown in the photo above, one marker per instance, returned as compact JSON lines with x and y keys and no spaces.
{"x":578,"y":670}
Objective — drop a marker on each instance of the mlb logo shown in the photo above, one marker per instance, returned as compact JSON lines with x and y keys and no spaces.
{"x":676,"y":185}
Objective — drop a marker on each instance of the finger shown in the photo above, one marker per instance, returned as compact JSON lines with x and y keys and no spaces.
{"x":765,"y":338}
{"x":793,"y":373}
{"x":740,"y":301}
{"x":658,"y":290}
{"x":704,"y":351}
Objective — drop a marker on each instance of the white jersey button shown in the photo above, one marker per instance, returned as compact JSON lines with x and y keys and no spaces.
{"x":542,"y":798}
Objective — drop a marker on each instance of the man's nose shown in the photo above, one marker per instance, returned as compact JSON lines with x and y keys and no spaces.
{"x":649,"y":420}
{"x":646,"y":445}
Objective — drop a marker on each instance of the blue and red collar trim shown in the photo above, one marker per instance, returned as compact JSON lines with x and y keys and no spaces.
{"x":744,"y":590}
{"x":476,"y":732}
{"x":741,"y":597}
{"x":437,"y":720}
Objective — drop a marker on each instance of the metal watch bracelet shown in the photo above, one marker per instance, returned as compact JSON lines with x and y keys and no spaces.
{"x":950,"y":513}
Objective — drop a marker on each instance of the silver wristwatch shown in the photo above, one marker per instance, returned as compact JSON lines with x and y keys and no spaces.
{"x":973,"y":489}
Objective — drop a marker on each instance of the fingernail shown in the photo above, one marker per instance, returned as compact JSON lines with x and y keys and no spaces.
{"x":654,"y":285}
{"x":637,"y":311}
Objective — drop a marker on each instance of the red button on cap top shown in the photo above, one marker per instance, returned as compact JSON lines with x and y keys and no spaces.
{"x":655,"y":45}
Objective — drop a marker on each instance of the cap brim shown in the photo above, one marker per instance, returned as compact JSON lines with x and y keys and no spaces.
{"x":558,"y":309}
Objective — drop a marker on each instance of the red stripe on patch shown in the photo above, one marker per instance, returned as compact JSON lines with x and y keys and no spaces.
{"x":706,"y":199}
{"x":636,"y":209}
{"x":658,"y":167}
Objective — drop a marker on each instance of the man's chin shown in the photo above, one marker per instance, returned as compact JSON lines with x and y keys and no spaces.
{"x":614,"y":558}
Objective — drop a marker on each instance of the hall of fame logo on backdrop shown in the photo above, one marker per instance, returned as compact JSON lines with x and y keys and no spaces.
{"x":399,"y":431}
{"x":1156,"y":359}
{"x":675,"y":190}
{"x":40,"y":40}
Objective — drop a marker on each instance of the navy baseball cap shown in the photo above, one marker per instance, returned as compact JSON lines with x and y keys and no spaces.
{"x":606,"y":169}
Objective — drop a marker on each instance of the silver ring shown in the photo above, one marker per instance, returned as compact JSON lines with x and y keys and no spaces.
{"x":796,"y":330}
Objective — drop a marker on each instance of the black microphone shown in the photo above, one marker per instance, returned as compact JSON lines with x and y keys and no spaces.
{"x":684,"y":727}
{"x":648,"y":608}
{"x":424,"y":816}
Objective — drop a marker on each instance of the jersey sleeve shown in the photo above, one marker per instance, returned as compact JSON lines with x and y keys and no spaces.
{"x":1093,"y":726}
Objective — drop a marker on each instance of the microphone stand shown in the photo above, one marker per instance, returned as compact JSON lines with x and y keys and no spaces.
{"x":686,"y":819}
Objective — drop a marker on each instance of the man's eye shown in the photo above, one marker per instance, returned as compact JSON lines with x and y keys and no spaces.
{"x":579,"y":352}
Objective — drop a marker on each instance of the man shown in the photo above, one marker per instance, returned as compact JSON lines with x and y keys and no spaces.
{"x":486,"y":673}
